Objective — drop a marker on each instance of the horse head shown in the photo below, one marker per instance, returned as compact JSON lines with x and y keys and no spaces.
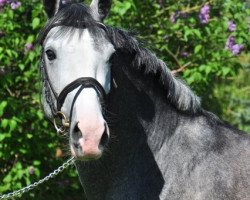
{"x":76,"y":72}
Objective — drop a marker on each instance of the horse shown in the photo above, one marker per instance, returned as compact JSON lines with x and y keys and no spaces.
{"x":136,"y":131}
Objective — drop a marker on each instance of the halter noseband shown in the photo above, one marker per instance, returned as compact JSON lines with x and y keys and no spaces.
{"x":83,"y":82}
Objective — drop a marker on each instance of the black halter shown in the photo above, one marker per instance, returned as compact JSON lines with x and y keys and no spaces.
{"x":83,"y":82}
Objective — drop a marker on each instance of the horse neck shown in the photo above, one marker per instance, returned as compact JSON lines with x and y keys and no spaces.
{"x":140,"y":120}
{"x":143,"y":117}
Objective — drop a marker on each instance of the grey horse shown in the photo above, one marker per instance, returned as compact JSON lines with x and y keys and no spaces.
{"x":149,"y":138}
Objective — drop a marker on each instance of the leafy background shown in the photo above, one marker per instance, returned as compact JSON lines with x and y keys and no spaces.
{"x":194,"y":50}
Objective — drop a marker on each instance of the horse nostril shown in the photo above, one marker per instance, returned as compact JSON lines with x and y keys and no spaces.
{"x":76,"y":128}
{"x":76,"y":145}
{"x":76,"y":133}
{"x":105,"y":137}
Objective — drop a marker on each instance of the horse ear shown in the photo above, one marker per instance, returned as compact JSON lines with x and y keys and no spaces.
{"x":51,"y":7}
{"x":100,"y":9}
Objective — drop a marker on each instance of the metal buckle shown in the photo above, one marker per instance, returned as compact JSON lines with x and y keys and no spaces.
{"x":65,"y":123}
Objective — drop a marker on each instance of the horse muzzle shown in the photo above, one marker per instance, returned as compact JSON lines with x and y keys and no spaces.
{"x":88,"y":140}
{"x":89,"y":132}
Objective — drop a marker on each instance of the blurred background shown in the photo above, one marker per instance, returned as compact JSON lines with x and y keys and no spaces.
{"x":206,"y":43}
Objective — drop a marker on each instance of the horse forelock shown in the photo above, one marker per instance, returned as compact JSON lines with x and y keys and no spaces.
{"x":73,"y":17}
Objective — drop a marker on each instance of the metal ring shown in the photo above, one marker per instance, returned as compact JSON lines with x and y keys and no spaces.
{"x":65,"y":123}
{"x":65,"y":120}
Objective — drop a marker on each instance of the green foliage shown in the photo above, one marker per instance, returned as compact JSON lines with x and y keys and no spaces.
{"x":30,"y":149}
{"x":234,"y":95}
{"x":193,"y":50}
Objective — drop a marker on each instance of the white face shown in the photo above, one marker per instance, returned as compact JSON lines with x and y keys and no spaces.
{"x":68,"y":58}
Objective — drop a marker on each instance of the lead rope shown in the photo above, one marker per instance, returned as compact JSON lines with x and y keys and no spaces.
{"x":26,"y":189}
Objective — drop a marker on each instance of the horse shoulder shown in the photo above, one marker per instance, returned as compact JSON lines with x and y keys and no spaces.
{"x":208,"y":161}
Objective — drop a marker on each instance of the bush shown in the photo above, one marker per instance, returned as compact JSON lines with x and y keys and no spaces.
{"x":204,"y":42}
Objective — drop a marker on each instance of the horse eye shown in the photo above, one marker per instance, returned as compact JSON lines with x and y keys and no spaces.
{"x":51,"y":55}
